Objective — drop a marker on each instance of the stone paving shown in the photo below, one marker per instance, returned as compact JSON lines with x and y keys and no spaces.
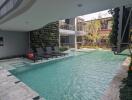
{"x":12,"y":88}
{"x":10,"y":64}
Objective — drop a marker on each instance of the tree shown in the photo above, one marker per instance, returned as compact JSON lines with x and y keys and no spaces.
{"x":92,"y":28}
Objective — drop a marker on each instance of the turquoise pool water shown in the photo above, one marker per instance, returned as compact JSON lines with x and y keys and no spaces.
{"x":82,"y":77}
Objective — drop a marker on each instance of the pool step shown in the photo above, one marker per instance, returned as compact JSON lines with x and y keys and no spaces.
{"x":20,"y":64}
{"x":17,"y":64}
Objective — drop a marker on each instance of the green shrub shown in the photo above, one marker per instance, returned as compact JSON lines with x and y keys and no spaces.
{"x":63,"y":49}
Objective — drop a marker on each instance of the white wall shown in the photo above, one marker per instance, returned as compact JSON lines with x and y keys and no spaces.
{"x":15,"y":43}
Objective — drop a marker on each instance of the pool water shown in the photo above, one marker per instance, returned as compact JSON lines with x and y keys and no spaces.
{"x":81,"y":77}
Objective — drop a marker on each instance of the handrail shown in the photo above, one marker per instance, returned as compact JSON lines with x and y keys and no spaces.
{"x":66,"y":26}
{"x":81,"y":28}
{"x":8,"y":6}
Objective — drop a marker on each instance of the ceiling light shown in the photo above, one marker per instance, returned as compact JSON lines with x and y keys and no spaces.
{"x":80,"y":5}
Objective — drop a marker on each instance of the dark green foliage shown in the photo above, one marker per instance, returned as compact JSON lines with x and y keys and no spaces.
{"x":63,"y":49}
{"x":126,"y":91}
{"x":46,"y":36}
{"x":114,"y":33}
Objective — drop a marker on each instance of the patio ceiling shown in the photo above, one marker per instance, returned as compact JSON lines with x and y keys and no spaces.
{"x":45,"y":11}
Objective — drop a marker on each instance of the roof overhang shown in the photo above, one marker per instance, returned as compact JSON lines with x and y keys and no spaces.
{"x":45,"y":11}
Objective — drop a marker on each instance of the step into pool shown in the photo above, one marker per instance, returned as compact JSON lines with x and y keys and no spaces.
{"x":81,"y":77}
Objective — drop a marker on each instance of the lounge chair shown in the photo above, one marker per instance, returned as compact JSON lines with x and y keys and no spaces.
{"x":50,"y":52}
{"x":41,"y":53}
{"x":32,"y":56}
{"x":57,"y":51}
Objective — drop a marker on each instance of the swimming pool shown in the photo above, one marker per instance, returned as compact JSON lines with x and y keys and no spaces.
{"x":81,"y":77}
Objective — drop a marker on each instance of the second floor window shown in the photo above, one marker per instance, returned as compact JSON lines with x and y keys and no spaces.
{"x":104,"y":24}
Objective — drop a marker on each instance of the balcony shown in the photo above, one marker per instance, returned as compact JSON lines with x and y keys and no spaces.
{"x":7,"y":6}
{"x":66,"y":29}
{"x":63,"y":25}
{"x":81,"y":30}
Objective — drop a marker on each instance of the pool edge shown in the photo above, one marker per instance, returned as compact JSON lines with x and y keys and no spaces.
{"x":113,"y":90}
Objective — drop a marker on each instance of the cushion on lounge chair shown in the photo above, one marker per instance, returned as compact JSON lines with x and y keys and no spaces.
{"x":41,"y":53}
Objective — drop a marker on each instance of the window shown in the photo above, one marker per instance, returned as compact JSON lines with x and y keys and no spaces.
{"x":104,"y":24}
{"x":1,"y":41}
{"x":65,"y":39}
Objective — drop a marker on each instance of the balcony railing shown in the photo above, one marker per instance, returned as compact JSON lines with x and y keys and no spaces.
{"x":8,"y":6}
{"x":81,"y":28}
{"x":68,"y":45}
{"x":65,"y":26}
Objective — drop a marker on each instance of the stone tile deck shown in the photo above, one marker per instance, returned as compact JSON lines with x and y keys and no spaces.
{"x":10,"y":64}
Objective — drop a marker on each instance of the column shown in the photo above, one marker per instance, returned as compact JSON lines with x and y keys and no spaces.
{"x":75,"y":34}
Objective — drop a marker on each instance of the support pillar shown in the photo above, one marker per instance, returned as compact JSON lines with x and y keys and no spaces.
{"x":59,"y":40}
{"x":75,"y":34}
